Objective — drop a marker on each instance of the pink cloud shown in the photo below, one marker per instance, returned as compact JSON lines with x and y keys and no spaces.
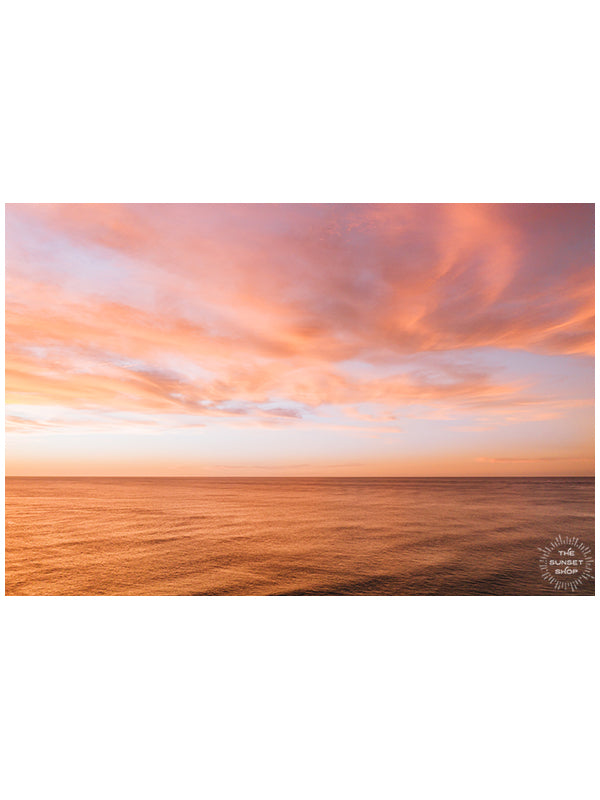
{"x":215,"y":310}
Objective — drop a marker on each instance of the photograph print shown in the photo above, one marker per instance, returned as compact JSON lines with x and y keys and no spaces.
{"x":309,"y":399}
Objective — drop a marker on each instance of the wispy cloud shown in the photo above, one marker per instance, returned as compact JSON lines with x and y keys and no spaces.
{"x":535,"y":460}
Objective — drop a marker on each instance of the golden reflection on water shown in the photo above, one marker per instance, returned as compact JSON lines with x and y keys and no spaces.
{"x":244,"y":536}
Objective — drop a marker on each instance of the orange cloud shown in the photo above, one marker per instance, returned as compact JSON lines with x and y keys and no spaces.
{"x":534,"y":460}
{"x":272,"y":315}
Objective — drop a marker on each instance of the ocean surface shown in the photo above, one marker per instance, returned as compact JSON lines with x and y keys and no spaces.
{"x":272,"y":536}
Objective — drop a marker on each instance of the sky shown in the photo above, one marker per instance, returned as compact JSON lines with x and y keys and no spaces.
{"x":318,"y":339}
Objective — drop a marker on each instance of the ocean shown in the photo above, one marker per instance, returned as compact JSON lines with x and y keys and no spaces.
{"x":291,"y":536}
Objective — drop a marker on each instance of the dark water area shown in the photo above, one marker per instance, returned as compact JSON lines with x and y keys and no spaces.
{"x":290,"y":536}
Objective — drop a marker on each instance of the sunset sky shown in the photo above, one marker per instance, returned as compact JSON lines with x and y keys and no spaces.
{"x":300,"y":340}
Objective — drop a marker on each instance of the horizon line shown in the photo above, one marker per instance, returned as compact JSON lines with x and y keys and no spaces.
{"x":333,"y":477}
